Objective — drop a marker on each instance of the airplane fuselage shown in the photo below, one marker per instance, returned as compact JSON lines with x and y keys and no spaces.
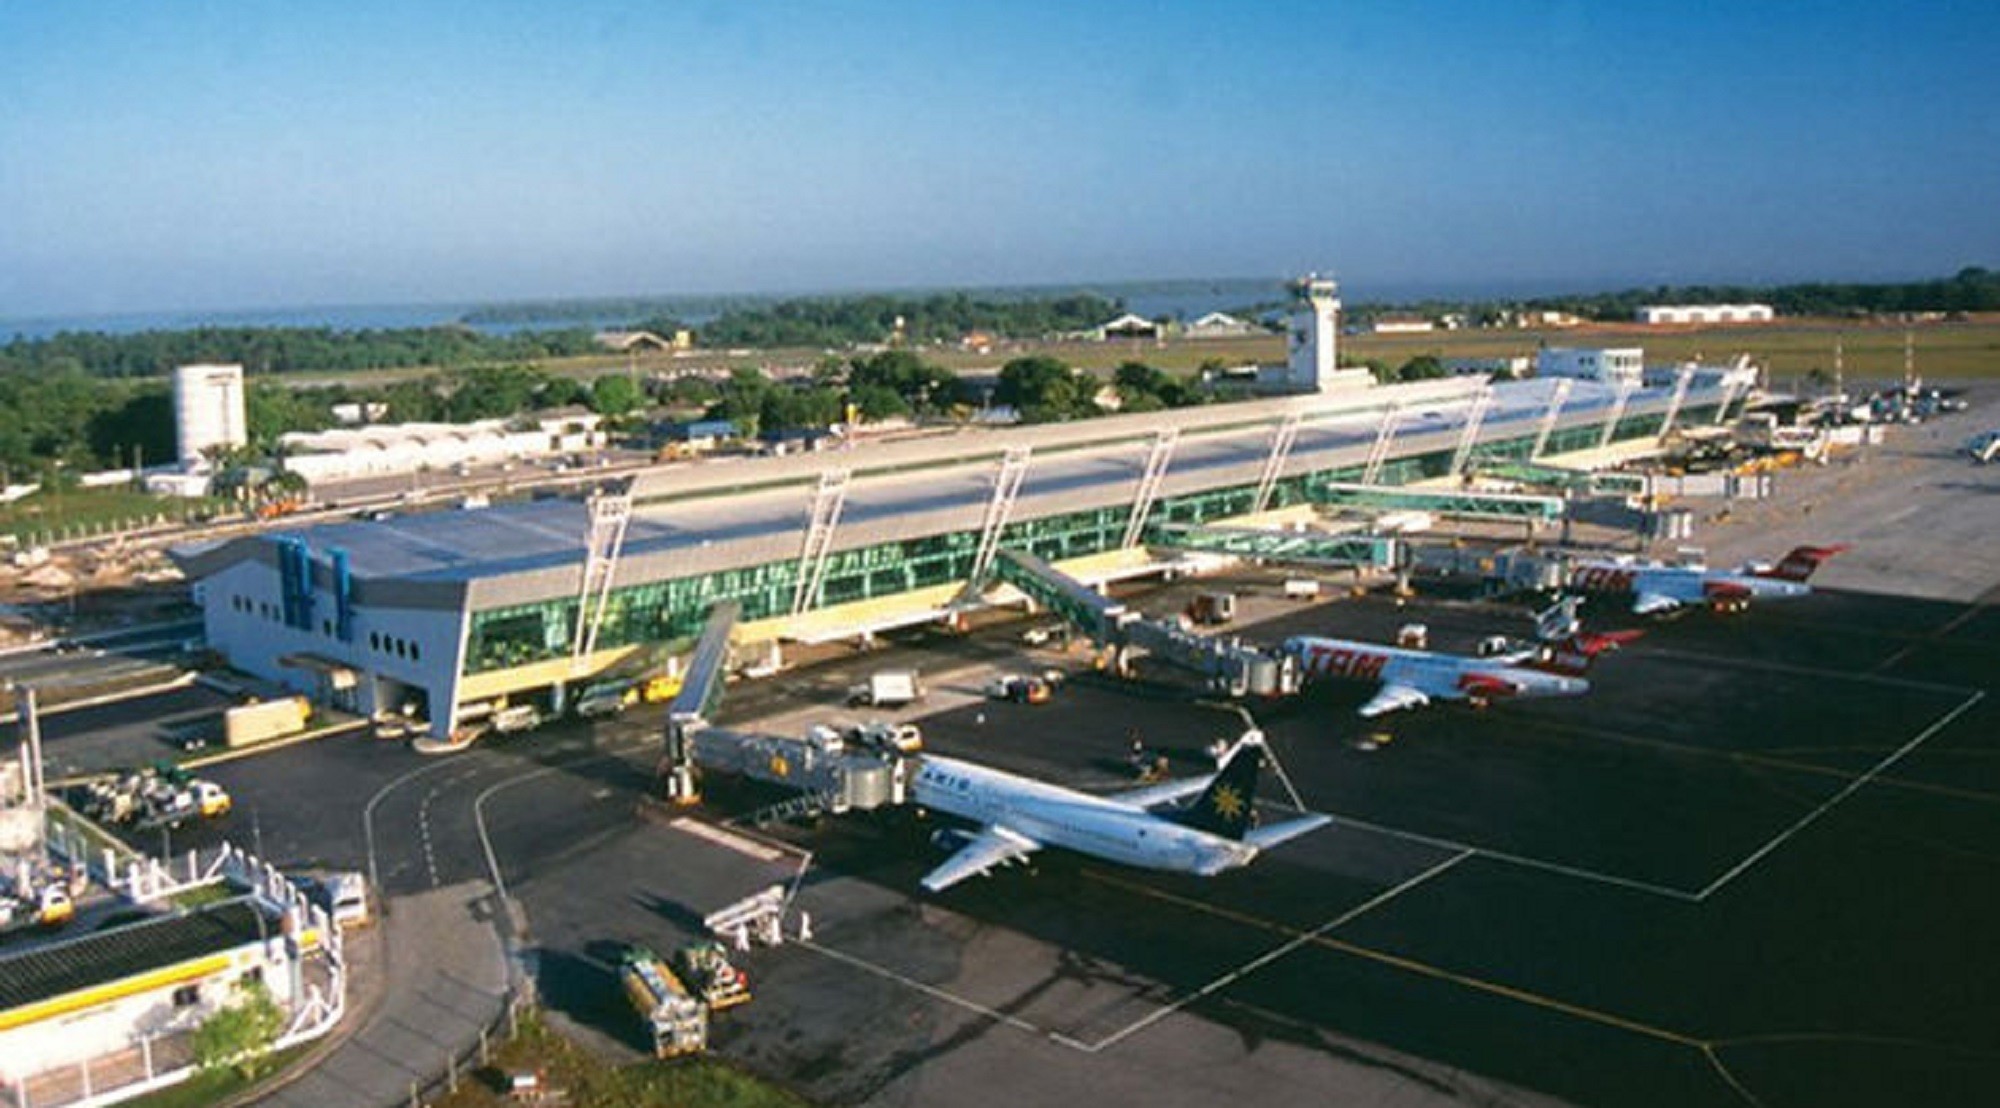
{"x":1055,"y":816}
{"x":1680,"y":584}
{"x":1437,"y":676}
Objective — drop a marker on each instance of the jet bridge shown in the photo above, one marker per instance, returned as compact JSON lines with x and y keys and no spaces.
{"x":1463,"y":503}
{"x":830,"y":775}
{"x":1312,"y":548}
{"x":1230,"y":667}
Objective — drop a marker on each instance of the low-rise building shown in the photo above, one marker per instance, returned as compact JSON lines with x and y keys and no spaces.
{"x":1607,"y":365}
{"x":1510,"y":368}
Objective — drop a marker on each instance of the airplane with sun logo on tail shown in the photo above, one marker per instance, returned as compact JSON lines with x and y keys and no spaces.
{"x":1018,"y":816}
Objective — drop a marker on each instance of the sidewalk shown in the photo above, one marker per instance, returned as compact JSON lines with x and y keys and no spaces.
{"x":441,"y":978}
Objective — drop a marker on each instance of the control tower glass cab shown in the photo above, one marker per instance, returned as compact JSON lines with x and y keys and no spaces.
{"x":1310,"y":342}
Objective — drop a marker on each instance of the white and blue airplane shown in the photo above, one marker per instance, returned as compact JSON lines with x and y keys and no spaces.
{"x":1018,"y":816}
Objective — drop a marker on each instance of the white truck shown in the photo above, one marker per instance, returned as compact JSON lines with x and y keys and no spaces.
{"x":887,"y":688}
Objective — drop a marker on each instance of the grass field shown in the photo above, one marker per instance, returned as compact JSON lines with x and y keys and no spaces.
{"x":1791,"y":347}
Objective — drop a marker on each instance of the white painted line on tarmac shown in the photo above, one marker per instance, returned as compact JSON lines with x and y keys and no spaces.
{"x":948,"y":997}
{"x":1520,"y":859}
{"x":1850,"y":789}
{"x":725,"y":839}
{"x":1277,"y":952}
{"x":1728,"y":663}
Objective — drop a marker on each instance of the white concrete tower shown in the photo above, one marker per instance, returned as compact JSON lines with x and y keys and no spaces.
{"x":1310,"y":365}
{"x":208,"y":409}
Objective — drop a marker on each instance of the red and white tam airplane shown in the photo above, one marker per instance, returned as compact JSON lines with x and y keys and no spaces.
{"x":1414,"y":678}
{"x":1659,"y":587}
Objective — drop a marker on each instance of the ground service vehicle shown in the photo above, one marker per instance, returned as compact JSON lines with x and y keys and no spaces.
{"x":900,"y":738}
{"x":1211,"y":608}
{"x":263,"y":720}
{"x":1984,"y":447}
{"x":607,"y":699}
{"x":1019,"y":688}
{"x":677,"y":1022}
{"x":888,"y":688}
{"x":707,"y":970}
{"x":516,"y":718}
{"x":660,"y":688}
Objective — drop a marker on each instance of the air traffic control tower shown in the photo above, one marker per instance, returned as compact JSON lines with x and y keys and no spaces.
{"x":1310,"y":364}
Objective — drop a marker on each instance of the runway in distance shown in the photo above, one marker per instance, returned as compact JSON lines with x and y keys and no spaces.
{"x":1657,"y":587}
{"x":1413,"y":678}
{"x":1019,"y":815}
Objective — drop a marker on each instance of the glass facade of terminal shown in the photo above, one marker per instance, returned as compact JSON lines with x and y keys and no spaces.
{"x":674,"y":609}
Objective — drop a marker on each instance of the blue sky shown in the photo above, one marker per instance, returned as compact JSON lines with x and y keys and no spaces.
{"x":208,"y":155}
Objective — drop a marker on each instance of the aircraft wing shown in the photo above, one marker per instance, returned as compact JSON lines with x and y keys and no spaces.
{"x":1152,"y":796}
{"x":994,"y":846}
{"x":1649,"y":603}
{"x":1394,"y":698}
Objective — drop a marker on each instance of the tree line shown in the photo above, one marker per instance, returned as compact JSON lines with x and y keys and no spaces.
{"x":1972,"y":289}
{"x":879,"y":318}
{"x":283,"y":349}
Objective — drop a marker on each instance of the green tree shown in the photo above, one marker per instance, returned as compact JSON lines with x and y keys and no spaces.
{"x":240,"y":1035}
{"x":1043,"y":389}
{"x":1423,"y":367}
{"x":613,"y":396}
{"x":878,"y":402}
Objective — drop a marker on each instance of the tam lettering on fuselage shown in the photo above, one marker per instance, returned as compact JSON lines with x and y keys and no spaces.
{"x":1603,"y":579}
{"x":1345,"y":661}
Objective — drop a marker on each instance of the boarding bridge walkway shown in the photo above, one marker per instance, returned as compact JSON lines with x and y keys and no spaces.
{"x":1459,"y":503}
{"x":1306,"y":548}
{"x":1079,"y":605}
{"x":1230,"y":667}
{"x":831,"y":775}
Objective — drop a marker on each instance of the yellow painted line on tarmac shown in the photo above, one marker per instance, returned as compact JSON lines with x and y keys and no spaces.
{"x":1412,"y":965}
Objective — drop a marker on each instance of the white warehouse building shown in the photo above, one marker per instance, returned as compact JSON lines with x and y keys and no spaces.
{"x":1623,"y":365}
{"x":397,"y":449}
{"x":1705,"y":313}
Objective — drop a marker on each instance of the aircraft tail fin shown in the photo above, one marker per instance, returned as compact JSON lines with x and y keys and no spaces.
{"x":1559,"y":621}
{"x":1800,"y":563}
{"x":1573,"y":656}
{"x":1224,"y":807}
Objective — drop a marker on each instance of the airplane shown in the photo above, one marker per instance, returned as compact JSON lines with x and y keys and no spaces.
{"x":1019,"y":815}
{"x":1657,"y":587}
{"x":1414,"y":678}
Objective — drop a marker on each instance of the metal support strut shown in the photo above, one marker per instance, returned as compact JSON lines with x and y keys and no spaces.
{"x":1274,"y":462}
{"x":1157,"y":461}
{"x":1474,"y":417}
{"x":1385,"y":437}
{"x":609,"y":513}
{"x":1681,"y":382}
{"x":1556,"y":401}
{"x":824,"y":517}
{"x":1006,"y":486}
{"x":1618,"y":403}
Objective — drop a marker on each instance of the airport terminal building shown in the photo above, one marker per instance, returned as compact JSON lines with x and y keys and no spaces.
{"x":440,"y":614}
